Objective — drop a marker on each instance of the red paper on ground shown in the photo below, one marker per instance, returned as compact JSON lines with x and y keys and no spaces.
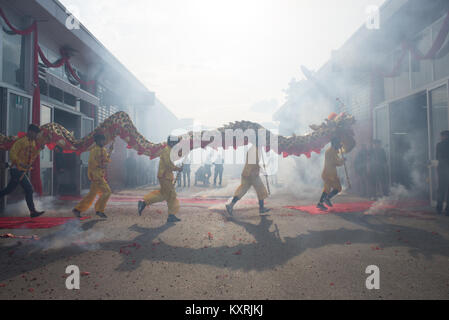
{"x":337,"y":208}
{"x":34,"y":223}
{"x":352,"y":207}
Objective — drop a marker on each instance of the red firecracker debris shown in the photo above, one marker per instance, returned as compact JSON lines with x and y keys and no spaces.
{"x":85,"y":273}
{"x":31,"y":290}
{"x":13,"y":236}
{"x":210,"y":236}
{"x":238,"y":252}
{"x":2,"y":285}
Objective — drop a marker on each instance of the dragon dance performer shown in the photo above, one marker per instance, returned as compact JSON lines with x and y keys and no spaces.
{"x":22,"y":155}
{"x":98,"y":160}
{"x":250,"y":178}
{"x":330,"y":177}
{"x":167,"y":191}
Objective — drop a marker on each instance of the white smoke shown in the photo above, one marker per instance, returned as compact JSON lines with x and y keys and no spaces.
{"x":226,"y":191}
{"x":71,"y":234}
{"x":398,"y":194}
{"x":299,"y":177}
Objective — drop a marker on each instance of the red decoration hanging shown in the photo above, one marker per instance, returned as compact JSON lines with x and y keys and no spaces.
{"x":35,"y":118}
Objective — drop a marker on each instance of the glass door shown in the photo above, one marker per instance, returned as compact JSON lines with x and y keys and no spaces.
{"x":382,"y":130}
{"x":18,"y":119}
{"x":87,"y":126}
{"x":46,"y":155}
{"x":438,"y":115}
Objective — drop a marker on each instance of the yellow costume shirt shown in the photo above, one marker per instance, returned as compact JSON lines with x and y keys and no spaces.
{"x":167,"y":191}
{"x":252,"y":168}
{"x":329,"y":175}
{"x":23,"y":153}
{"x":98,"y":160}
{"x":250,"y":176}
{"x":166,"y":166}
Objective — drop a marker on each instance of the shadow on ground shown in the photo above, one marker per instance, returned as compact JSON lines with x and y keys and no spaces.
{"x":268,"y":251}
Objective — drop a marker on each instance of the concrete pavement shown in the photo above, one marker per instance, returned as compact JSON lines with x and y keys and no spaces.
{"x":285,"y":255}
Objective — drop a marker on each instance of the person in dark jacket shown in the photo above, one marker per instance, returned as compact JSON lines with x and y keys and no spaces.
{"x":201,"y":176}
{"x":442,"y":155}
{"x":218,"y":170}
{"x":361,"y":169}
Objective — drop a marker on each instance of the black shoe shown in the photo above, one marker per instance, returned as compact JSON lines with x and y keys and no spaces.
{"x":140,"y":206}
{"x":263,"y":210}
{"x":229,"y":209}
{"x":101,"y":215}
{"x":321,"y":206}
{"x":328,"y":202}
{"x":77,"y":213}
{"x":172,"y":218}
{"x":36,"y":214}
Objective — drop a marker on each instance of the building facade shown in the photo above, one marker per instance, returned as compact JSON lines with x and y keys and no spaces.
{"x":394,"y":80}
{"x":65,"y":100}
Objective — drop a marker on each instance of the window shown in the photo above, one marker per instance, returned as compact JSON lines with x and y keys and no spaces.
{"x":56,"y":94}
{"x":399,"y":84}
{"x":43,"y":87}
{"x":421,"y":72}
{"x":87,"y":109}
{"x":19,"y":114}
{"x":442,"y":56}
{"x":69,"y":99}
{"x":13,"y":58}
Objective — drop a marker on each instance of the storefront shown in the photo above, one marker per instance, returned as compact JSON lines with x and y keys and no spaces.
{"x":409,"y":129}
{"x":15,"y":113}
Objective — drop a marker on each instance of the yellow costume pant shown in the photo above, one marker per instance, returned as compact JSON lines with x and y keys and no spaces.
{"x":101,"y":187}
{"x":331,"y":182}
{"x":248,"y":182}
{"x":166,"y":193}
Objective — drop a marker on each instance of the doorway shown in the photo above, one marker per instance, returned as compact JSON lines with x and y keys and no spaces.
{"x":66,"y":178}
{"x":409,"y":143}
{"x":46,"y":156}
{"x":438,"y":121}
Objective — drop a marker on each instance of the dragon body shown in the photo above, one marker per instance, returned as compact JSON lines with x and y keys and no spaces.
{"x":120,"y":125}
